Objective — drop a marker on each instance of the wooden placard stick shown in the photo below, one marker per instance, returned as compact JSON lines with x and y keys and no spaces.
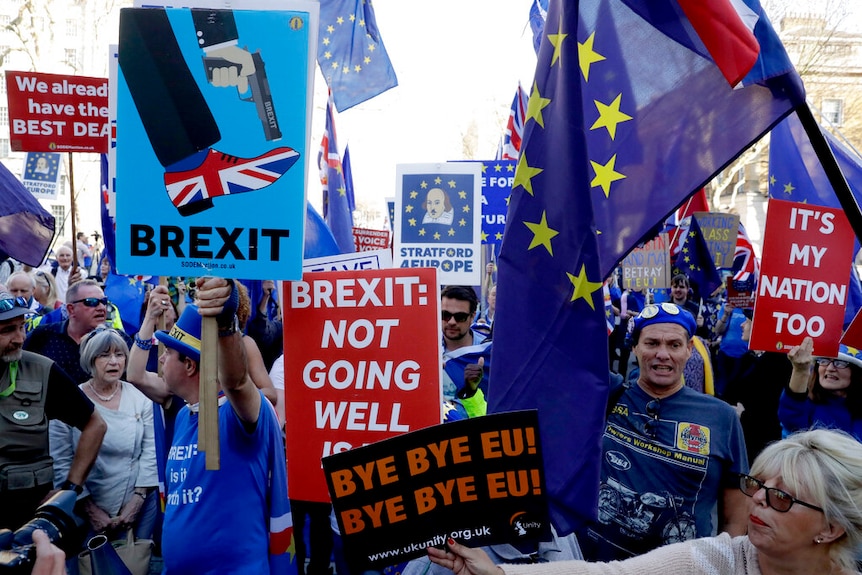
{"x":208,"y":436}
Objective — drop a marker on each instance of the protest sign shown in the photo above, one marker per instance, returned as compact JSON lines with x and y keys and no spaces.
{"x":738,"y":298}
{"x":477,"y":480}
{"x":41,"y":173}
{"x":802,"y":290}
{"x":497,"y":179}
{"x":57,"y":113}
{"x":719,"y":231}
{"x":367,"y":240}
{"x":376,"y":260}
{"x":362,"y":363}
{"x":211,"y":179}
{"x":852,"y":337}
{"x":648,"y":266}
{"x":437,"y":223}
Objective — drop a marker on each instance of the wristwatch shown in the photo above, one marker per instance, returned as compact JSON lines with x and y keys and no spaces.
{"x":69,"y":486}
{"x":229,"y":330}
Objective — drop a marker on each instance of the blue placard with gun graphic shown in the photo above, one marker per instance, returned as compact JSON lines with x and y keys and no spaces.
{"x":213,"y":123}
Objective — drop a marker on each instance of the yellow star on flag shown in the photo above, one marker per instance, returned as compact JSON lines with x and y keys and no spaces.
{"x":498,"y":168}
{"x":587,"y":56}
{"x":462,"y":222}
{"x":772,"y":180}
{"x":466,"y":208}
{"x":451,"y":232}
{"x":542,"y":234}
{"x":535,"y":105}
{"x":413,"y":195}
{"x":408,"y":208}
{"x":556,"y":41}
{"x":438,"y":180}
{"x":436,"y":235}
{"x":484,"y":237}
{"x":462,"y":195}
{"x":605,"y":175}
{"x":484,"y":168}
{"x":423,"y":185}
{"x":498,"y":236}
{"x":421,"y":231}
{"x":412,"y":222}
{"x":788,"y":188}
{"x":510,"y":168}
{"x":584,"y":288}
{"x":524,"y":175}
{"x":610,"y":116}
{"x":342,"y":191}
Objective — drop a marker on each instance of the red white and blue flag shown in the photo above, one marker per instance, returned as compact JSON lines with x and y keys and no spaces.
{"x":515,"y":127}
{"x":336,"y":196}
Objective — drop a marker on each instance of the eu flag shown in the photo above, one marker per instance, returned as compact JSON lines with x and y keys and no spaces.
{"x":26,"y":229}
{"x":336,"y":204}
{"x":795,"y":174}
{"x":623,"y":123}
{"x":127,"y":293}
{"x":351,"y":54}
{"x":695,"y":261}
{"x":660,"y":114}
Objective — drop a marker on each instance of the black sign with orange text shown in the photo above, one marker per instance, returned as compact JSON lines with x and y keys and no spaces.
{"x":479,"y":481}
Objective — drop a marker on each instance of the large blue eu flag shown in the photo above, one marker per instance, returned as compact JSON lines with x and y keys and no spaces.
{"x":628,"y":114}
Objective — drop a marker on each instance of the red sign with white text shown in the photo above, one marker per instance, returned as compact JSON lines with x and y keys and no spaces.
{"x":369,"y":240}
{"x":56,"y":113}
{"x":361,"y":363}
{"x":802,"y":290}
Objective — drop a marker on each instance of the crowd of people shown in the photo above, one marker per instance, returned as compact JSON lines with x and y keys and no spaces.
{"x":89,"y":408}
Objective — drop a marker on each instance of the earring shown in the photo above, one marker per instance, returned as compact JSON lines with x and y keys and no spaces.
{"x":819,"y":540}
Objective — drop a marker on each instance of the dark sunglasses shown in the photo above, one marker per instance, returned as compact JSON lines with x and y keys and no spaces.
{"x":651,"y":425}
{"x":838,"y":363}
{"x":7,"y":304}
{"x":779,"y":500}
{"x":460,"y":316}
{"x":92,"y":301}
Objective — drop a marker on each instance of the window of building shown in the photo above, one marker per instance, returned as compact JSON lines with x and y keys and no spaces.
{"x":833,"y":110}
{"x":71,"y":28}
{"x":4,"y":147}
{"x":72,"y":57}
{"x":5,"y":20}
{"x":59,"y":213}
{"x":4,"y":116}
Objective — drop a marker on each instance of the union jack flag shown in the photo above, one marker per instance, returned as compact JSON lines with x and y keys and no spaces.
{"x":336,"y":199}
{"x":222,"y":174}
{"x":746,"y":268}
{"x":515,"y":127}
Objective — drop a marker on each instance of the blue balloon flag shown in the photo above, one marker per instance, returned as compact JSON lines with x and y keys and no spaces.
{"x":26,"y":229}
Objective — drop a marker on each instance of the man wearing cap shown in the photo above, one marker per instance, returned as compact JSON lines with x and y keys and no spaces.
{"x":670,"y":455}
{"x":33,"y":390}
{"x":231,"y":520}
{"x":87,"y":309}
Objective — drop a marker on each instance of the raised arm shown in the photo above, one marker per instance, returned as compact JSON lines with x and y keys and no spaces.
{"x":149,"y":383}
{"x":801,"y":358}
{"x":219,"y":298}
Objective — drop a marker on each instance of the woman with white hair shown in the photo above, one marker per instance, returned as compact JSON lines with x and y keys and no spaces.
{"x":120,"y":490}
{"x":805,"y":516}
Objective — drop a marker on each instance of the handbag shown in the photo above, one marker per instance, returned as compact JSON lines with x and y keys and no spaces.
{"x":135,"y":554}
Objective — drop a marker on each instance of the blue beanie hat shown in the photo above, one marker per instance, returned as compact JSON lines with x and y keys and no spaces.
{"x":665,"y":312}
{"x":185,"y":336}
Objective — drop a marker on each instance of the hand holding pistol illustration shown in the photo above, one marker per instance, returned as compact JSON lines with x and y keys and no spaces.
{"x":235,"y":66}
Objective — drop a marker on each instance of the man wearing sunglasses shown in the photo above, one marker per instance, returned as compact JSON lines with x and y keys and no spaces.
{"x":466,"y":354}
{"x":33,"y":390}
{"x":671,"y":455}
{"x":87,"y":309}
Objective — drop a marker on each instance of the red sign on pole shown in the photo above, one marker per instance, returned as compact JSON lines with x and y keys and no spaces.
{"x":361,"y":363}
{"x":369,"y":240}
{"x":802,"y":290}
{"x":56,"y":113}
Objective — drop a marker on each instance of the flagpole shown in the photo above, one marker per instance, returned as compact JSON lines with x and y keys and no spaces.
{"x":72,"y":213}
{"x":830,"y":167}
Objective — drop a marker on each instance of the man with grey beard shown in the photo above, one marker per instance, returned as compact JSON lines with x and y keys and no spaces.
{"x":33,"y":390}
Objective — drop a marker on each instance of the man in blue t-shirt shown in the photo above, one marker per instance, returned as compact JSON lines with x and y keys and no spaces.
{"x":237,"y":519}
{"x":671,"y":455}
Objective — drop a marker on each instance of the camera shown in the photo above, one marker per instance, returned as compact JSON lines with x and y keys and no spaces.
{"x":56,"y":517}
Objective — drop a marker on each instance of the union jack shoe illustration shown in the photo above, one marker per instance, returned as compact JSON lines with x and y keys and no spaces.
{"x":192,"y":191}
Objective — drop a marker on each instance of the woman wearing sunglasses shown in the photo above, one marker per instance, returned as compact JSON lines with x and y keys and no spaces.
{"x":804,"y":516}
{"x":829,"y":395}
